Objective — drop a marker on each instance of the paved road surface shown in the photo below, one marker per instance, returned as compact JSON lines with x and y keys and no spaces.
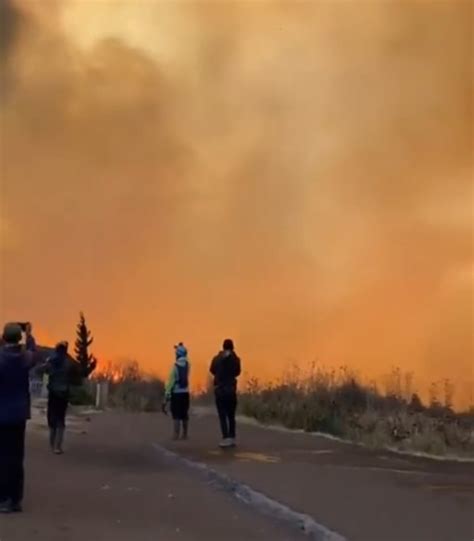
{"x":113,"y":485}
{"x":364,"y":495}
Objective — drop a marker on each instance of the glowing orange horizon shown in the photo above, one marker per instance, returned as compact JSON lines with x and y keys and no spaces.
{"x":297,"y":176}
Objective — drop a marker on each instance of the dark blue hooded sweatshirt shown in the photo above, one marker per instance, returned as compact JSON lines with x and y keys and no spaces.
{"x":14,"y":385}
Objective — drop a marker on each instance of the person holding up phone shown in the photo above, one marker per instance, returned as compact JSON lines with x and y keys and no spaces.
{"x":226,"y":368}
{"x":15,"y":365}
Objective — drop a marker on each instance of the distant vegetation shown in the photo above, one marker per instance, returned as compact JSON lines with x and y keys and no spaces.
{"x":337,"y":403}
{"x":333,"y":402}
{"x":131,"y":389}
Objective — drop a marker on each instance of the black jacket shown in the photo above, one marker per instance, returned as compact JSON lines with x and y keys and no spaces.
{"x":59,"y":370}
{"x":225,"y":368}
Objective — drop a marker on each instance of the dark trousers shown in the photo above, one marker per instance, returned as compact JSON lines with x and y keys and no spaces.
{"x":57,"y":407}
{"x":226,"y":404}
{"x":12,"y":454}
{"x":180,"y":406}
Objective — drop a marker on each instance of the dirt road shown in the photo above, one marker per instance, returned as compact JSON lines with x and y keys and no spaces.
{"x":114,"y":484}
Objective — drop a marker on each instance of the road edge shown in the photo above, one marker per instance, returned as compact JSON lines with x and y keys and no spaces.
{"x":251,"y":421}
{"x":259,"y":501}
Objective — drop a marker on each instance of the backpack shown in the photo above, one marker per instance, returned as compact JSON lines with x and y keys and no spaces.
{"x":182,"y":379}
{"x":59,"y":377}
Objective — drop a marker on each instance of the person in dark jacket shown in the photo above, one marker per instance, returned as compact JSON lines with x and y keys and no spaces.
{"x":58,"y":368}
{"x":225,"y":368}
{"x":15,"y":364}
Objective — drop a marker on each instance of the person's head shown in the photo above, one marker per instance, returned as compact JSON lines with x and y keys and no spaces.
{"x":180,"y":350}
{"x":228,"y":345}
{"x":12,"y":333}
{"x":28,"y":328}
{"x":62,"y":347}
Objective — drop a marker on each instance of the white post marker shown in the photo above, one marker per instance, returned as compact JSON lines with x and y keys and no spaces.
{"x":102,"y":395}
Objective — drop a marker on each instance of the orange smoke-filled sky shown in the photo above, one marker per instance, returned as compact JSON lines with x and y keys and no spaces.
{"x":296,"y":175}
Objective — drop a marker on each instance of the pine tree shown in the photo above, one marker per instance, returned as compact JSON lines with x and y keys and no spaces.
{"x":84,"y":340}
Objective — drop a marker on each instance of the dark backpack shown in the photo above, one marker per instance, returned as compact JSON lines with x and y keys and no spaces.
{"x":182,"y":380}
{"x":59,"y":376}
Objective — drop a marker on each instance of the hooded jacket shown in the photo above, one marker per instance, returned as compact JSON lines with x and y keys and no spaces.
{"x":58,"y":369}
{"x":225,"y":368}
{"x":15,"y":364}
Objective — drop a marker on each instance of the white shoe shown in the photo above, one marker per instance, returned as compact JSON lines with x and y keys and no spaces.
{"x":225,"y":443}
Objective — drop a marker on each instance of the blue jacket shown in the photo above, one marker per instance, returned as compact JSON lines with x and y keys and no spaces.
{"x":14,"y":385}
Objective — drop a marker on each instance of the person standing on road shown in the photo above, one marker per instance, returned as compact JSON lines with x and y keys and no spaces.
{"x":58,"y":368}
{"x":226,"y":368}
{"x":177,"y":392}
{"x":15,"y":365}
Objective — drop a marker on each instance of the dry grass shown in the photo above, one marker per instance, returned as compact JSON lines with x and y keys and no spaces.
{"x":131,"y":389}
{"x":338,"y":404}
{"x":335,"y":403}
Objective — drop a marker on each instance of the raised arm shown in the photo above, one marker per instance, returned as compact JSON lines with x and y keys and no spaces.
{"x":33,"y":356}
{"x":30,"y":343}
{"x":43,"y":366}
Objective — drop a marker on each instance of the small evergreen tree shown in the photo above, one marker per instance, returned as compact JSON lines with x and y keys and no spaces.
{"x":84,"y":340}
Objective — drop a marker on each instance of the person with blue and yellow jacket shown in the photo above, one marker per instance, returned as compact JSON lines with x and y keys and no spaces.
{"x":177,"y":392}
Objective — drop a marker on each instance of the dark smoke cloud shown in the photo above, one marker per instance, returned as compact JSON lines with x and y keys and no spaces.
{"x":295,"y":175}
{"x":10,"y":20}
{"x":9,"y":23}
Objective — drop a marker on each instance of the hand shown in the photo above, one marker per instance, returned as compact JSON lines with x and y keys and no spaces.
{"x":164,"y":406}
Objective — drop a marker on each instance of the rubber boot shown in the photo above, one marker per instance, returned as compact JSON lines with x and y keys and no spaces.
{"x":58,"y":447}
{"x":176,"y":429}
{"x":52,"y":438}
{"x":185,"y":430}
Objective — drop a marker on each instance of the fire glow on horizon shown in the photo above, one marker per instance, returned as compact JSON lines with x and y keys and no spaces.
{"x":295,"y":175}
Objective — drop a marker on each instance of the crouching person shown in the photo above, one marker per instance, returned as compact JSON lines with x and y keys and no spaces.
{"x":59,"y":370}
{"x":177,"y":393}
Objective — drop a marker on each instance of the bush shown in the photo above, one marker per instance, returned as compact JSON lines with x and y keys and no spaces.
{"x":338,"y":404}
{"x":143,"y":395}
{"x":132,"y":390}
{"x":81,"y":395}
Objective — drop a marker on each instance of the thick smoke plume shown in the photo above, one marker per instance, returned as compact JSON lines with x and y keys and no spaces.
{"x":295,"y":175}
